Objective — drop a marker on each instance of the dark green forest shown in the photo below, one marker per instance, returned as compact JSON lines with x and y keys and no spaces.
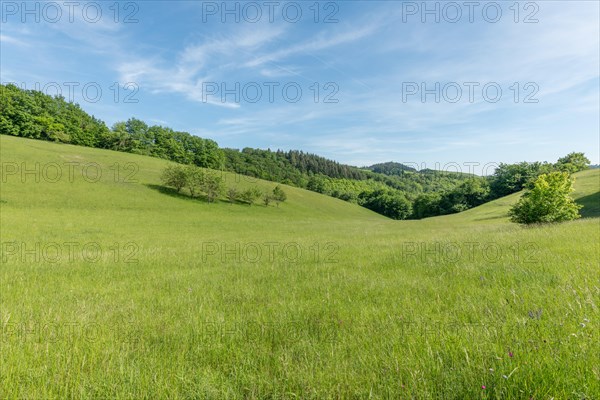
{"x":392,"y":189}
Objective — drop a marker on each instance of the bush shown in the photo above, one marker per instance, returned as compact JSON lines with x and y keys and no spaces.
{"x":548,"y":201}
{"x":267,"y":198}
{"x":279,"y":195}
{"x":212,"y":186}
{"x":174,"y":176}
{"x":232,"y":195}
{"x":194,"y":179}
{"x":250,"y":195}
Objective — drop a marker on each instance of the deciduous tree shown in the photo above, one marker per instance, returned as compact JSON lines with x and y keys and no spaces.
{"x":279,"y":195}
{"x":548,"y":201}
{"x":174,"y":176}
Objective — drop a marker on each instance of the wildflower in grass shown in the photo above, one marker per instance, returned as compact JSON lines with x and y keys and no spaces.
{"x":483,"y":387}
{"x":510,"y":354}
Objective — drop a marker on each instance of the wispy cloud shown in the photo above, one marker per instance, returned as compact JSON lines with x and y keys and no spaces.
{"x":368,"y":54}
{"x":11,"y":40}
{"x":321,"y":42}
{"x":205,"y":62}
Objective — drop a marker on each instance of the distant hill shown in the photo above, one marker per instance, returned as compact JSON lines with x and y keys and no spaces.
{"x":390,"y":168}
{"x":35,"y":115}
{"x":391,"y":189}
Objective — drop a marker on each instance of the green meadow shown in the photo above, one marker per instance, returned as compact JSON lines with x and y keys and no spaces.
{"x":112,"y":286}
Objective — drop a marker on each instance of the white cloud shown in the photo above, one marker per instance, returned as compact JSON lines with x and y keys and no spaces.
{"x":198,"y":64}
{"x":321,"y":41}
{"x":5,"y":39}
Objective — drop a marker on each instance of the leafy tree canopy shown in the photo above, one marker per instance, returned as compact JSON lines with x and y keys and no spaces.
{"x":548,"y":201}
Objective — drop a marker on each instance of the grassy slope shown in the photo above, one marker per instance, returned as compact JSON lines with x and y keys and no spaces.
{"x":586,"y":194}
{"x":371,"y":306}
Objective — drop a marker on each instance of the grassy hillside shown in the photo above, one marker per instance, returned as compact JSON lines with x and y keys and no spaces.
{"x":116,"y":289}
{"x":35,"y":115}
{"x":586,"y":194}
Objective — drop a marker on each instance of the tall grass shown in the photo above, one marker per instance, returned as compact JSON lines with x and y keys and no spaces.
{"x":156,"y":295}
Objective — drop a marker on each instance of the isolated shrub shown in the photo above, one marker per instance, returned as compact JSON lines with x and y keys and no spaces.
{"x":548,"y":201}
{"x":194,"y":179}
{"x":232,"y":194}
{"x":250,"y":195}
{"x":279,"y":195}
{"x":174,"y":176}
{"x":267,"y":199}
{"x":212,"y":186}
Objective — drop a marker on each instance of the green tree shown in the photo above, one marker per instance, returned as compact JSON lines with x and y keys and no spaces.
{"x":232,"y":194}
{"x":510,"y":178}
{"x":33,"y":114}
{"x":250,"y":195}
{"x":279,"y":195}
{"x":212,"y":186}
{"x":390,"y":203}
{"x":572,"y":162}
{"x":474,"y":192}
{"x":267,"y":198}
{"x":53,"y":130}
{"x":316,"y":184}
{"x":138,"y":131}
{"x":119,"y":139}
{"x":174,"y":176}
{"x":427,"y":205}
{"x":548,"y":201}
{"x":194,"y":179}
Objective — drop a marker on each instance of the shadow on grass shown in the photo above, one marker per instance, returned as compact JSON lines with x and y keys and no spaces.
{"x":591,"y":205}
{"x":183,"y":196}
{"x":179,"y":195}
{"x":491,"y":218}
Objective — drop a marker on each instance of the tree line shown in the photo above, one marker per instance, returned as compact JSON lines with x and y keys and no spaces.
{"x":391,"y":189}
{"x":33,"y":114}
{"x":210,"y":185}
{"x":507,"y":179}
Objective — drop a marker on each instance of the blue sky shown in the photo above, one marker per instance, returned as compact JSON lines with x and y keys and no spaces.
{"x":370,"y":60}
